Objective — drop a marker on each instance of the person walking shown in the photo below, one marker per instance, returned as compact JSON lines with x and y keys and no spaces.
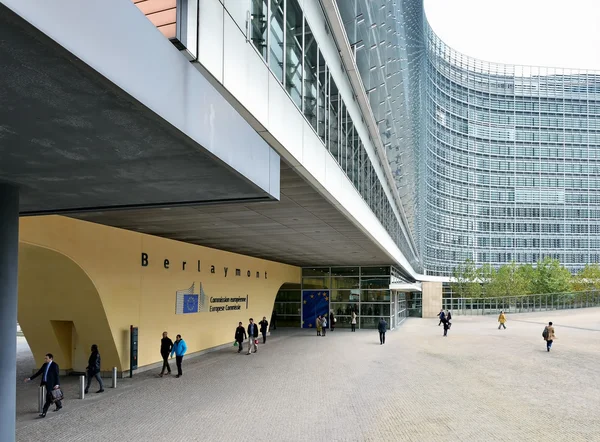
{"x":274,"y":320}
{"x":319,"y":325}
{"x":264,"y":324}
{"x":179,"y":348}
{"x":252,"y":336}
{"x":166,"y":345}
{"x":446,"y":327}
{"x":382,"y":327}
{"x":49,"y":371}
{"x":449,"y":318}
{"x":324,"y":324}
{"x":93,"y":369}
{"x":502,"y":320}
{"x":353,"y":321}
{"x":240,"y":335}
{"x":331,"y":321}
{"x":549,"y":335}
{"x":442,"y":316}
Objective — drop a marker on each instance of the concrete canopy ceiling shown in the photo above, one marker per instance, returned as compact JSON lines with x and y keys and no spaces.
{"x":302,"y":229}
{"x":71,"y":140}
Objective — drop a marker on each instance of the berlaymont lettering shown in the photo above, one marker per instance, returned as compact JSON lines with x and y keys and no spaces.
{"x":145,"y":261}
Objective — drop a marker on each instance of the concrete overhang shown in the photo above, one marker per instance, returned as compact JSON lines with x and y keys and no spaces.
{"x":406,"y":286}
{"x":100,"y":111}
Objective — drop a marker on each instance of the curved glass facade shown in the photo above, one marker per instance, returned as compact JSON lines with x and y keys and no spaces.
{"x":512,"y":158}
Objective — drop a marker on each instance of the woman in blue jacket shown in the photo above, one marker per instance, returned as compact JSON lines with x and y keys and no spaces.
{"x":179,"y":348}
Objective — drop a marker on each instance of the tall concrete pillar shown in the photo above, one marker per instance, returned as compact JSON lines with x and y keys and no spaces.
{"x":9,"y":251}
{"x":432,"y":298}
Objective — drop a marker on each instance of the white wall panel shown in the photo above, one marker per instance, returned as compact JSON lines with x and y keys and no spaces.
{"x":313,"y":154}
{"x":210,"y":37}
{"x":257,"y":81}
{"x":234,"y":60}
{"x":238,"y":10}
{"x":285,"y":120}
{"x":333,"y":177}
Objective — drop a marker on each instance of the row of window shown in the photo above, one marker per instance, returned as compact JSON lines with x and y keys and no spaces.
{"x":283,"y":37}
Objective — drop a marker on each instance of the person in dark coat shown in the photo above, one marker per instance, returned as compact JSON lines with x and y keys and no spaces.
{"x":264,"y":325}
{"x":240,"y":335}
{"x":166,"y":345}
{"x":442,"y":316}
{"x":382,"y":327}
{"x":274,"y":320}
{"x":93,"y":369}
{"x":446,"y":326}
{"x":449,"y":319}
{"x":49,"y":372}
{"x":331,"y":321}
{"x":252,"y":335}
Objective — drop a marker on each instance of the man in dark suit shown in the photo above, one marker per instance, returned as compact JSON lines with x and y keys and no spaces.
{"x":49,"y":372}
{"x":252,"y":335}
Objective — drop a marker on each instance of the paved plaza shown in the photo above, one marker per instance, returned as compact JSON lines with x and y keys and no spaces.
{"x":478,"y":384}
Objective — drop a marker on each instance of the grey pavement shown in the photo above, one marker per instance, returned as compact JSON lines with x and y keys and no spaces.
{"x":478,"y":384}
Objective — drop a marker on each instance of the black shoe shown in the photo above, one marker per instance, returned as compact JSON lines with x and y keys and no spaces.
{"x":85,"y":391}
{"x":177,"y":376}
{"x":100,"y":391}
{"x":57,"y":408}
{"x":43,"y":414}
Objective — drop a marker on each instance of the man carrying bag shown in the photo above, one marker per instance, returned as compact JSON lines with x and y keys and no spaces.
{"x":49,"y":372}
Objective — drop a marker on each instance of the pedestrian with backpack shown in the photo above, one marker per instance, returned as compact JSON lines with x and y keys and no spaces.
{"x":548,"y":335}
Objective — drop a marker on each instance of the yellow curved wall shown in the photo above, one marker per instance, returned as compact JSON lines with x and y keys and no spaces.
{"x":117,"y":291}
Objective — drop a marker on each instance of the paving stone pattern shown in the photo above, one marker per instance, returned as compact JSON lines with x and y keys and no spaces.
{"x":478,"y":384}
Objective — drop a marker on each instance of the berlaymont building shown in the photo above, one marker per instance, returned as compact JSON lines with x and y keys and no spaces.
{"x":189,"y":164}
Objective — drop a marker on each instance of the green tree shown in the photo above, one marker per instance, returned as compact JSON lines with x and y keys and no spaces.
{"x":465,"y":280}
{"x":486,"y":275}
{"x":551,"y":277}
{"x":588,"y":278}
{"x":511,"y":280}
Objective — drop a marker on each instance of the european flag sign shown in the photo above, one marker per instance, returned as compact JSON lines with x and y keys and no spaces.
{"x":190,"y":303}
{"x":187,"y":301}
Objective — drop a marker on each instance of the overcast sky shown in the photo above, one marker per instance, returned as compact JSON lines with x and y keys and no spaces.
{"x":553,"y":33}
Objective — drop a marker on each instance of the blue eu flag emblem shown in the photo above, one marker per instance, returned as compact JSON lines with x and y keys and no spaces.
{"x":190,"y":303}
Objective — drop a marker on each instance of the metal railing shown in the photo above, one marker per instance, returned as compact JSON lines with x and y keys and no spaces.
{"x":522,"y":304}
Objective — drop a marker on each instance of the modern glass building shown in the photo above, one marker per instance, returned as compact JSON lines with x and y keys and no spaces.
{"x":513,"y":156}
{"x":497,"y":162}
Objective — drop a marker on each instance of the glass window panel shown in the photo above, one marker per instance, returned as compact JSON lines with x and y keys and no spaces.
{"x":345,"y":283}
{"x":345,"y":271}
{"x":315,"y":283}
{"x":276,"y":39}
{"x":334,"y":123}
{"x":343,"y":309}
{"x":375,"y":310}
{"x":375,"y":283}
{"x":258,"y":30}
{"x":315,"y":271}
{"x":371,"y":323}
{"x":311,"y":56}
{"x":322,"y":98}
{"x":375,"y":295}
{"x":293,"y":57}
{"x":375,"y":271}
{"x":349,"y":295}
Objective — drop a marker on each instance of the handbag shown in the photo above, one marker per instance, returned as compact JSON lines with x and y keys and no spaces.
{"x":256,"y":341}
{"x":235,"y":343}
{"x":57,"y":395}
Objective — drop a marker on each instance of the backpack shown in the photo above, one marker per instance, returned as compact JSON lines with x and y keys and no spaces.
{"x":545,"y":333}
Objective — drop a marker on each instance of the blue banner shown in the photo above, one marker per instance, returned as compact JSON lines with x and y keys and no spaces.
{"x":314,"y":303}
